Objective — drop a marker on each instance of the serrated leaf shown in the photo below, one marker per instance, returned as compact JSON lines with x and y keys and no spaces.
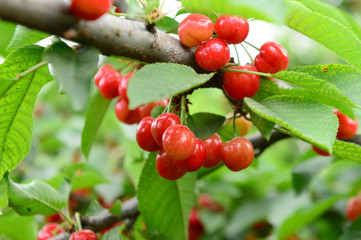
{"x":305,"y":118}
{"x":6,"y":31}
{"x":168,"y":25}
{"x":24,"y":36}
{"x":274,"y":12}
{"x":35,"y":197}
{"x":347,"y":150}
{"x":165,"y":205}
{"x":266,"y":89}
{"x":94,"y":116}
{"x":17,"y":227}
{"x":17,"y":99}
{"x":162,"y":80}
{"x":325,"y":28}
{"x":204,"y":125}
{"x":74,"y":70}
{"x":263,"y":125}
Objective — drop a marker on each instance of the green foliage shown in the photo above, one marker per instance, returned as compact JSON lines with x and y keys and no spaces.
{"x":24,"y":37}
{"x":204,"y":125}
{"x":352,"y":232}
{"x":168,"y":25}
{"x":6,"y":31}
{"x":11,"y":219}
{"x":113,"y":234}
{"x":347,"y":150}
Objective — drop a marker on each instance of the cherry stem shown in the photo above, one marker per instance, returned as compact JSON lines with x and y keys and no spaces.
{"x":234,"y":125}
{"x":183,"y":110}
{"x":167,"y":108}
{"x":251,"y":45}
{"x":71,"y":222}
{"x":245,"y":71}
{"x":30,"y":70}
{"x":126,"y":15}
{"x":78,"y":221}
{"x":143,"y":4}
{"x":238,"y":59}
{"x":249,"y":55}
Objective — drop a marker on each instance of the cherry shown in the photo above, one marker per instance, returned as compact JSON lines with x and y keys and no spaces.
{"x":320,"y":151}
{"x":56,"y":217}
{"x":108,"y":84}
{"x":124,"y":114}
{"x":179,"y":142}
{"x":144,"y":135}
{"x":49,"y":230}
{"x":102,"y":71}
{"x":353,"y":208}
{"x":212,"y":54}
{"x":161,"y":123}
{"x":239,"y":85}
{"x":243,"y":125}
{"x":213,"y":146}
{"x":122,"y":88}
{"x":195,"y":227}
{"x":237,"y":154}
{"x":146,"y":109}
{"x":347,"y":127}
{"x":83,"y":235}
{"x":166,"y":167}
{"x":90,"y":9}
{"x":196,"y":160}
{"x":195,"y":29}
{"x":272,"y":58}
{"x":206,"y":201}
{"x":233,"y":29}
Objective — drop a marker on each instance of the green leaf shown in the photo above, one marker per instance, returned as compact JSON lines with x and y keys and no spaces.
{"x":352,"y":232}
{"x":95,"y":208}
{"x":266,"y":89}
{"x":307,"y":119}
{"x":11,"y":222}
{"x":24,"y":36}
{"x":163,"y":80}
{"x":347,"y":150}
{"x":204,"y":125}
{"x":168,"y":25}
{"x":165,"y":205}
{"x":94,"y":116}
{"x":82,"y":176}
{"x":264,"y":126}
{"x":275,"y":11}
{"x":156,"y":111}
{"x":112,"y":234}
{"x":6,"y":31}
{"x":3,"y":196}
{"x":323,"y":26}
{"x":35,"y":197}
{"x":74,"y":70}
{"x":17,"y":99}
{"x":116,"y":208}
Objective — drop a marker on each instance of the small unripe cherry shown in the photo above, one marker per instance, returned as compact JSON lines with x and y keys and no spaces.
{"x":239,"y":85}
{"x":144,"y":135}
{"x":196,"y":160}
{"x":102,"y":71}
{"x":353,"y":208}
{"x":179,"y":142}
{"x":161,"y":123}
{"x":320,"y":151}
{"x":272,"y":58}
{"x":166,"y":167}
{"x":212,"y":54}
{"x":237,"y":154}
{"x":213,"y":146}
{"x":108,"y":84}
{"x":123,"y":85}
{"x":243,"y":125}
{"x":85,"y":234}
{"x":347,"y":127}
{"x":233,"y":29}
{"x":90,"y":9}
{"x":195,"y":29}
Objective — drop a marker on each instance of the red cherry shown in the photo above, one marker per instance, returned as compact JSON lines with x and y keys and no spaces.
{"x":108,"y":84}
{"x":320,"y":151}
{"x":272,"y":58}
{"x":233,"y":29}
{"x":179,"y":142}
{"x":146,"y":109}
{"x":124,"y":114}
{"x":195,"y":227}
{"x":206,"y":201}
{"x":90,"y":9}
{"x":161,"y":123}
{"x":56,"y":217}
{"x":347,"y":127}
{"x":144,"y":135}
{"x":166,"y":167}
{"x":353,"y":208}
{"x":213,"y":146}
{"x":195,"y":29}
{"x":122,"y":88}
{"x":237,"y":154}
{"x":49,"y":230}
{"x":196,"y":160}
{"x":102,"y":71}
{"x":83,"y":235}
{"x":212,"y":54}
{"x":239,"y":85}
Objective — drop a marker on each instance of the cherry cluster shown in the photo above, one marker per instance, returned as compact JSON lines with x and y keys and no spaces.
{"x":180,"y":151}
{"x":52,"y":229}
{"x":112,"y":84}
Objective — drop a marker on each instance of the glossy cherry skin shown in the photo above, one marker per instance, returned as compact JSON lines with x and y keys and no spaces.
{"x":232,"y":29}
{"x":196,"y":160}
{"x":347,"y":127}
{"x":83,"y":235}
{"x":144,"y":135}
{"x":353,"y":208}
{"x":195,"y":227}
{"x":320,"y":151}
{"x":239,"y":85}
{"x":179,"y":142}
{"x":272,"y":58}
{"x":124,"y":114}
{"x":49,"y":231}
{"x":102,"y":71}
{"x":108,"y":84}
{"x":166,"y":167}
{"x":122,"y":88}
{"x":212,"y":54}
{"x":90,"y":9}
{"x":237,"y":154}
{"x":213,"y":146}
{"x":161,"y":123}
{"x":195,"y":29}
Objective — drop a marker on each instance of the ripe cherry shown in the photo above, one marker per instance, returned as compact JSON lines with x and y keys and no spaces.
{"x":83,"y":235}
{"x":353,"y":208}
{"x":213,"y":146}
{"x":179,"y":142}
{"x":161,"y":123}
{"x":195,"y":29}
{"x":195,"y":227}
{"x":56,"y":217}
{"x":320,"y":151}
{"x":239,"y":85}
{"x":146,"y":109}
{"x":108,"y":84}
{"x":272,"y":58}
{"x":347,"y":127}
{"x":237,"y":154}
{"x":102,"y":71}
{"x":196,"y":160}
{"x":233,"y":29}
{"x":49,"y":230}
{"x":207,"y":202}
{"x":166,"y":167}
{"x":124,"y":114}
{"x":212,"y":54}
{"x":122,"y":88}
{"x":90,"y":9}
{"x":144,"y":135}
